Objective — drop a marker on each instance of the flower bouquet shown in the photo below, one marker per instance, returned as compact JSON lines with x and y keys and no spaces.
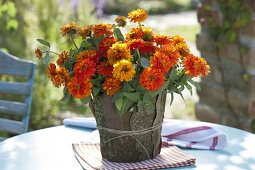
{"x":125,"y":80}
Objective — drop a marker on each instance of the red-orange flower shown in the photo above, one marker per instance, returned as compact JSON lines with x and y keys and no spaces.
{"x":105,"y":68}
{"x":161,"y":39}
{"x":162,"y":61}
{"x":111,"y":85}
{"x":147,"y":48}
{"x":105,"y":44}
{"x":79,"y":88}
{"x":102,"y":29}
{"x":62,"y":57}
{"x":152,"y":79}
{"x":84,"y":68}
{"x":58,"y":76}
{"x":135,"y":44}
{"x":38,"y":53}
{"x":195,"y":66}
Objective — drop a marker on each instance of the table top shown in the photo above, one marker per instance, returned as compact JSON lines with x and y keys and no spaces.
{"x":51,"y":149}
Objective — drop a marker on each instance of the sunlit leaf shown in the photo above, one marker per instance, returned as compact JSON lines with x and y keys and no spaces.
{"x":117,"y":34}
{"x":43,"y":42}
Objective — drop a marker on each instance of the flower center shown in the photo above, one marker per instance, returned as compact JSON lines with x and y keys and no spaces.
{"x":125,"y":69}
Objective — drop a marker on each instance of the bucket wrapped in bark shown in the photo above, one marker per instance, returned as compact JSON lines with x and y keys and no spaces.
{"x":133,"y":136}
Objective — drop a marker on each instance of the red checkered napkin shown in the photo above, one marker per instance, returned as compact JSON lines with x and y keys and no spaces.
{"x":89,"y":157}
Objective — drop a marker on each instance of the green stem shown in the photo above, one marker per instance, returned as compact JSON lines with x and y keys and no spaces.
{"x":139,"y":57}
{"x":51,"y":52}
{"x":72,"y":39}
{"x":140,"y":25}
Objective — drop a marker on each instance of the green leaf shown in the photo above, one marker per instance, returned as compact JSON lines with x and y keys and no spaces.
{"x":172,"y":87}
{"x":46,"y":58}
{"x":133,"y":96}
{"x":172,"y":99}
{"x":86,"y":100}
{"x":182,"y":97}
{"x":117,"y":34}
{"x":67,"y":65}
{"x":117,"y":96}
{"x":44,"y":42}
{"x":118,"y":103}
{"x":125,"y":105}
{"x":188,"y":87}
{"x":145,"y":62}
{"x":180,"y":89}
{"x":160,"y":90}
{"x":196,"y":84}
{"x":174,"y":75}
{"x":86,"y":46}
{"x":127,"y":87}
{"x":148,"y":101}
{"x":96,"y":90}
{"x":66,"y":98}
{"x":185,"y":78}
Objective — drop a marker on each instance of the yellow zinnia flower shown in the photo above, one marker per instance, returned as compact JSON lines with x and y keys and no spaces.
{"x":117,"y":52}
{"x":123,"y":70}
{"x":138,"y":15}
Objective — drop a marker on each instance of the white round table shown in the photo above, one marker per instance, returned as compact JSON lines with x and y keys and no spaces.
{"x":51,"y":149}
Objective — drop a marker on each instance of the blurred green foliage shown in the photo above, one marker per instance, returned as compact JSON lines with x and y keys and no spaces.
{"x":41,"y":19}
{"x":122,"y":7}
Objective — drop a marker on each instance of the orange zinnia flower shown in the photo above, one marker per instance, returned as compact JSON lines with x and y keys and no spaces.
{"x":58,"y":76}
{"x":84,"y":68}
{"x":111,"y":85}
{"x":162,"y":61}
{"x":84,"y":31}
{"x":195,"y":66}
{"x":105,"y":68}
{"x":135,"y":33}
{"x":181,"y":44}
{"x":38,"y":53}
{"x":171,"y":52}
{"x":138,"y":15}
{"x":121,"y":21}
{"x":101,"y":29}
{"x":79,"y":88}
{"x":152,"y":79}
{"x":62,"y":57}
{"x":69,"y":28}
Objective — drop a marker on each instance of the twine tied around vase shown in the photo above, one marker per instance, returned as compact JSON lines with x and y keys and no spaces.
{"x":124,"y":133}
